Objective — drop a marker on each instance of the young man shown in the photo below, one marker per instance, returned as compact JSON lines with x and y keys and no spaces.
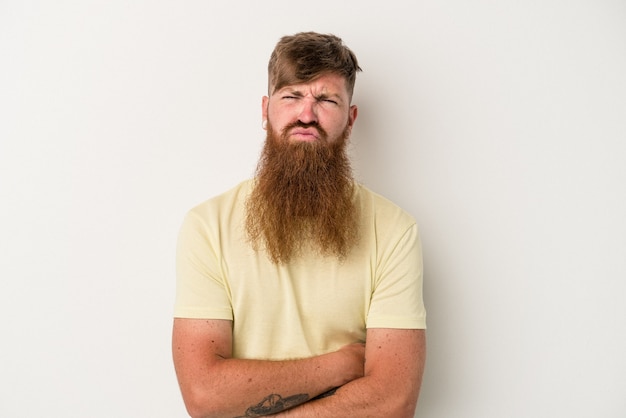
{"x":299,"y":292}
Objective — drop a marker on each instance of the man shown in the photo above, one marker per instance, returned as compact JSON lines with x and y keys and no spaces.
{"x":299,"y":292}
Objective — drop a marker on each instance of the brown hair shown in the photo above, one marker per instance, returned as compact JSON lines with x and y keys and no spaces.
{"x":306,"y":56}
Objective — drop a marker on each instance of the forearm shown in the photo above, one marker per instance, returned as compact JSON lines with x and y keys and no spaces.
{"x":234,"y":387}
{"x":214,"y":384}
{"x":364,"y":397}
{"x":390,"y":386}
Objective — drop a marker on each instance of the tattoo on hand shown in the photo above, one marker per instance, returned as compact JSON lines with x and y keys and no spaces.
{"x":274,"y":404}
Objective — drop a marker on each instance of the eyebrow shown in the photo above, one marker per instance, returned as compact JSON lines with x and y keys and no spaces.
{"x":329,"y":96}
{"x":292,"y":91}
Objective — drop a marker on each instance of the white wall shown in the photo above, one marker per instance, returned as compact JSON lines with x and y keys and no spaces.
{"x":499,"y":125}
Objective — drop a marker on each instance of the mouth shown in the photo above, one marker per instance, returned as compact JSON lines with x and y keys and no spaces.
{"x":304,"y":134}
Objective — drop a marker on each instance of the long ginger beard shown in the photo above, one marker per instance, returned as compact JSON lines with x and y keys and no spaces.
{"x":303,"y":198}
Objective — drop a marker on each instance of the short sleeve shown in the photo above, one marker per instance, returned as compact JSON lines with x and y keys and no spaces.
{"x":397,"y":300}
{"x":201,"y":289}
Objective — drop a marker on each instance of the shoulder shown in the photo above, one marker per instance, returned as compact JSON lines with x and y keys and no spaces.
{"x":218,"y":212}
{"x":224,"y":202}
{"x":381,"y":210}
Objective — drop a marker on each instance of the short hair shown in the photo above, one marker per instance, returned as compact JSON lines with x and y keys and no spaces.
{"x":305,"y":56}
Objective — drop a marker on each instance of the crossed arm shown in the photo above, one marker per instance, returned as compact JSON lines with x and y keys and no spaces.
{"x":379,"y":379}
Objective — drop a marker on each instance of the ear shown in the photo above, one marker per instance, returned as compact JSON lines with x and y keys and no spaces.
{"x":352,"y":114}
{"x":264,"y":104}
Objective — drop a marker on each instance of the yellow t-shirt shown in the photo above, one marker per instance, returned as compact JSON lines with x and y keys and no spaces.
{"x":307,"y":307}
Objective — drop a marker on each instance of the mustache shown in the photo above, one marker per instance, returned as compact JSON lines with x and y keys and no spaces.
{"x":300,"y":124}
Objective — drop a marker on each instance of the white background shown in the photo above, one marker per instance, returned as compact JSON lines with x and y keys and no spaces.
{"x":500,"y":125}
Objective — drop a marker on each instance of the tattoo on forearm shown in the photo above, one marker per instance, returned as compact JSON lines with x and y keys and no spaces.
{"x":274,"y":404}
{"x":326,"y":394}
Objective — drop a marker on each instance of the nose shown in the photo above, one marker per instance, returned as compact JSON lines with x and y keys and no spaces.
{"x":308,"y":112}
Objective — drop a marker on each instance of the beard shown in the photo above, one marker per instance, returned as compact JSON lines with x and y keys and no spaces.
{"x":303,"y":197}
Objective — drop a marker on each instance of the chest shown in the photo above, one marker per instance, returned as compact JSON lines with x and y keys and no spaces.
{"x":311,"y":306}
